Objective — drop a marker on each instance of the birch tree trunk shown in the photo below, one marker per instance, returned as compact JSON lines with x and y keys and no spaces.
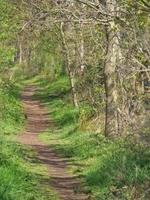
{"x":82,"y":66}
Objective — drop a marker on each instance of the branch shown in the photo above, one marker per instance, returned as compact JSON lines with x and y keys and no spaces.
{"x":89,"y":4}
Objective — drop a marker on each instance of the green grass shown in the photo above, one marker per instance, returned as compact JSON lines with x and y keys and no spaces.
{"x":110,"y":169}
{"x":20,"y":174}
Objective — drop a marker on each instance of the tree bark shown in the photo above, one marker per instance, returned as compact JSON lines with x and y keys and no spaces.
{"x":69,"y":70}
{"x":20,"y":53}
{"x":111,"y":119}
{"x":82,"y":66}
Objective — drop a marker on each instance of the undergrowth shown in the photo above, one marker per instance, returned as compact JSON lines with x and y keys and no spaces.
{"x":110,"y":169}
{"x":19,"y":176}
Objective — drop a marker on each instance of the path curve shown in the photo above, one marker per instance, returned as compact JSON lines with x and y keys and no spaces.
{"x":62,"y":181}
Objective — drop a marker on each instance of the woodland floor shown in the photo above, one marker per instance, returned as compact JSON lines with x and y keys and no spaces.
{"x":63,"y":182}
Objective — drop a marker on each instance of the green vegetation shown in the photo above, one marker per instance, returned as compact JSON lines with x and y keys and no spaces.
{"x":20,"y":175}
{"x":90,"y":61}
{"x":110,"y":169}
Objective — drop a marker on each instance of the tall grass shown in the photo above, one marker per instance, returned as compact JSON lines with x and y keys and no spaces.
{"x":110,"y":169}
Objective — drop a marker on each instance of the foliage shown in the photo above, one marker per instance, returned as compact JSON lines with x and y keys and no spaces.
{"x":110,"y":169}
{"x":11,"y":112}
{"x":95,"y":55}
{"x":8,"y":28}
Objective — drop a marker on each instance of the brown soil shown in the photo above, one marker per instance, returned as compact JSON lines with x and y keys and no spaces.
{"x":64,"y":183}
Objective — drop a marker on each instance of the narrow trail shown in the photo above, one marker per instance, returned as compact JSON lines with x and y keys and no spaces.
{"x":63,"y":182}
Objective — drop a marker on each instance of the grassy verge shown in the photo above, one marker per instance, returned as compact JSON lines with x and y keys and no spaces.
{"x":20,"y":174}
{"x":110,"y":169}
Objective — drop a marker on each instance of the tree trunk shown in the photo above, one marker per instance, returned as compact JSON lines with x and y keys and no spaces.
{"x":82,"y":66}
{"x":69,"y":70}
{"x":111,"y":120}
{"x":20,"y":53}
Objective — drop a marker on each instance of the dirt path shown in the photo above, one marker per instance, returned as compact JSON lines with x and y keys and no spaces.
{"x":37,"y":121}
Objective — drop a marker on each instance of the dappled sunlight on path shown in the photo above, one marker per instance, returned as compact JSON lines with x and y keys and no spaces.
{"x":65,"y":183}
